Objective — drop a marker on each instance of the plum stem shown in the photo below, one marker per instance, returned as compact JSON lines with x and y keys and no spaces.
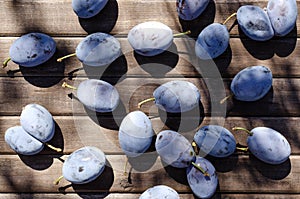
{"x":53,"y":148}
{"x":228,"y":18}
{"x":182,"y":33}
{"x":242,"y":129}
{"x":65,"y":57}
{"x":226,"y":98}
{"x":125,"y":167}
{"x":145,"y":101}
{"x":197,"y":166}
{"x":6,"y":62}
{"x":194,"y":145}
{"x":56,"y":182}
{"x":244,"y":149}
{"x":66,"y":85}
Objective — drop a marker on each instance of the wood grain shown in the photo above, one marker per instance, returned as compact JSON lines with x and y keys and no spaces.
{"x":280,"y":55}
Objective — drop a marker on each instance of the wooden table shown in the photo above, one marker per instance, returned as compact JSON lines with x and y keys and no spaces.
{"x":240,"y":176}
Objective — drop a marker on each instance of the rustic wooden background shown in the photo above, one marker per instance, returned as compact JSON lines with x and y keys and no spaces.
{"x":240,"y":176}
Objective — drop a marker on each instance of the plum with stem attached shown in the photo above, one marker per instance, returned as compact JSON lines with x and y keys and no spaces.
{"x":83,"y":165}
{"x":31,"y":50}
{"x":97,"y":49}
{"x":267,"y":144}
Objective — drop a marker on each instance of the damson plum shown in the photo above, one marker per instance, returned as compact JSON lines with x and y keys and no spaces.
{"x":98,"y":95}
{"x":255,"y":23}
{"x":251,"y":83}
{"x":212,"y":41}
{"x":283,"y":15}
{"x":84,"y":165}
{"x":150,"y":38}
{"x":190,"y":9}
{"x":268,"y":145}
{"x":215,"y":140}
{"x":174,"y":149}
{"x":135,"y":133}
{"x":88,"y":8}
{"x":177,"y":96}
{"x":98,"y":49}
{"x":38,"y":122}
{"x":21,"y":142}
{"x":202,"y":185}
{"x":160,"y":191}
{"x":31,"y":50}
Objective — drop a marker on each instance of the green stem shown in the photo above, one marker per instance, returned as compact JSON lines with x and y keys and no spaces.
{"x":145,"y":101}
{"x":53,"y":148}
{"x":65,"y":57}
{"x":65,"y":85}
{"x":197,"y":166}
{"x":194,"y":145}
{"x":226,"y":98}
{"x":242,"y":129}
{"x":56,"y":182}
{"x":244,"y":149}
{"x":125,"y":167}
{"x":234,"y":14}
{"x":182,"y":33}
{"x":6,"y":62}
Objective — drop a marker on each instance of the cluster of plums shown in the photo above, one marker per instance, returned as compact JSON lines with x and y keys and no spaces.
{"x":135,"y":132}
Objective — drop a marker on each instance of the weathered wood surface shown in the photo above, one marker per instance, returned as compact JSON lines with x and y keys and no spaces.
{"x":237,"y":174}
{"x":57,"y":17}
{"x":78,"y":131}
{"x":280,"y":55}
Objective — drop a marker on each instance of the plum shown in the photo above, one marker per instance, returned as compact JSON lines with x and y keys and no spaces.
{"x":160,"y":191}
{"x":215,"y":140}
{"x":31,"y":50}
{"x":88,"y":8}
{"x":283,"y":15}
{"x":174,"y":149}
{"x":252,"y":83}
{"x":267,"y":144}
{"x":150,"y":38}
{"x":212,"y":41}
{"x":38,"y":122}
{"x":255,"y":23}
{"x":135,"y":133}
{"x":202,"y":185}
{"x":98,"y":95}
{"x":190,"y":9}
{"x":84,"y":165}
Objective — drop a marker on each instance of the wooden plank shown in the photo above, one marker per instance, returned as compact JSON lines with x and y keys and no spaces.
{"x":17,"y":92}
{"x":237,"y":174}
{"x":57,"y":17}
{"x":280,"y":55}
{"x":75,"y":132}
{"x":136,"y":196}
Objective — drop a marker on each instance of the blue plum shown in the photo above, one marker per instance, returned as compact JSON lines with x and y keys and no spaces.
{"x":21,"y":142}
{"x":252,"y":83}
{"x":84,"y":165}
{"x":268,"y":145}
{"x":135,"y":133}
{"x":98,"y":95}
{"x":160,"y":191}
{"x":203,"y":186}
{"x":215,"y":140}
{"x":150,"y":38}
{"x":174,"y":149}
{"x":212,"y":41}
{"x":177,"y":96}
{"x":98,"y":49}
{"x":283,"y":15}
{"x":88,"y":8}
{"x":190,"y":9}
{"x":32,"y":49}
{"x":255,"y":23}
{"x":38,"y":122}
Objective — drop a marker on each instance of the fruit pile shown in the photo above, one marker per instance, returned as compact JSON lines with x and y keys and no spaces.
{"x":135,"y":133}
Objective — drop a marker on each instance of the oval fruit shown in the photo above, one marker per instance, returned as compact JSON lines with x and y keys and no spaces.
{"x":190,"y":9}
{"x":88,"y":8}
{"x":160,"y":191}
